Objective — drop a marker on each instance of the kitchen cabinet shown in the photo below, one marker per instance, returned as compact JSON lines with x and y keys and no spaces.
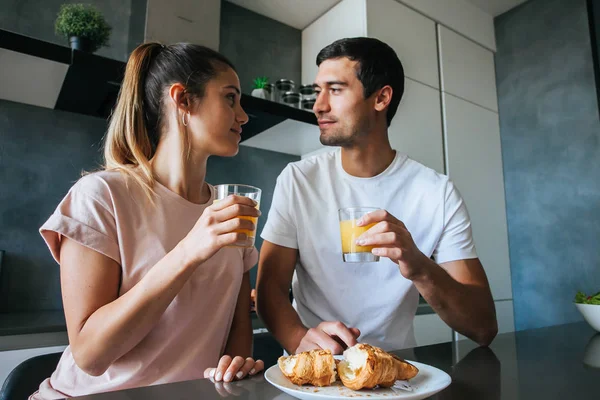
{"x":431,"y":329}
{"x":346,"y":19}
{"x":460,"y":16}
{"x":410,"y":34}
{"x":416,"y":129}
{"x":467,"y":69}
{"x":474,"y":163}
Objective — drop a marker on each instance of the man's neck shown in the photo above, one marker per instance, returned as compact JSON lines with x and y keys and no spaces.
{"x":367,"y":161}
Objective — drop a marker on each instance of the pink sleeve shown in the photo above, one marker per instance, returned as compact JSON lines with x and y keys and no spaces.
{"x":85,"y":215}
{"x":250,"y":258}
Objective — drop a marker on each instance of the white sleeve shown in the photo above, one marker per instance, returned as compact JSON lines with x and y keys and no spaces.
{"x":456,"y":241}
{"x":281,"y":228}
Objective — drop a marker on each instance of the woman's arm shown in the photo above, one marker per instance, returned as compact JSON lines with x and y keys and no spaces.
{"x":239,"y":342}
{"x":237,"y":361}
{"x":102,"y":326}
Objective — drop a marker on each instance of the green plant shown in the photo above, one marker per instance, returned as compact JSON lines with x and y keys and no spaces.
{"x":582,"y":298}
{"x":84,"y":21}
{"x":260,"y":82}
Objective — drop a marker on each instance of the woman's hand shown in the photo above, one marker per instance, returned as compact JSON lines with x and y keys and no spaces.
{"x":216,"y":228}
{"x":236,"y":368}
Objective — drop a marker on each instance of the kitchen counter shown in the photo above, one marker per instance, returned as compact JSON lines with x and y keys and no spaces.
{"x":561,"y":362}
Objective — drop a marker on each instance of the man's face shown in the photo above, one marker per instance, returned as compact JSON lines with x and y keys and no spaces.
{"x":343,"y":113}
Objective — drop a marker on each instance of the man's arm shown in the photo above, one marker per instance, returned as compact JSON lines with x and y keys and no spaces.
{"x":458,"y":291}
{"x":275,"y":270}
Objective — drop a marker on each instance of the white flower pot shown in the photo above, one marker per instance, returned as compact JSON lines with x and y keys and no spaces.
{"x":260,"y":93}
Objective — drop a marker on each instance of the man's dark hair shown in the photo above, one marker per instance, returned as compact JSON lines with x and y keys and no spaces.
{"x":378,"y":66}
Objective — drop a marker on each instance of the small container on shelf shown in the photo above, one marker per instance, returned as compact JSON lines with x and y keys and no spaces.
{"x":283,"y":86}
{"x":307,"y":92}
{"x":291,"y":99}
{"x":272,"y":92}
{"x":307,"y":104}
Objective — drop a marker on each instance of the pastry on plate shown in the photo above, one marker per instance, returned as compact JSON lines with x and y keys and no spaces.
{"x":366,"y":366}
{"x":315,"y":367}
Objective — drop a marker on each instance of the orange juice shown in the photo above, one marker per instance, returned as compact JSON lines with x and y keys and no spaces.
{"x":249,"y":233}
{"x":350,"y":232}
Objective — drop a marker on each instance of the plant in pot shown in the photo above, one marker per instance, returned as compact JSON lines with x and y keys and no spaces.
{"x":260,"y":90}
{"x":83,"y":25}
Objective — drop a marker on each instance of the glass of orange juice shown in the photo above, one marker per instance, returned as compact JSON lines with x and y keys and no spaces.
{"x":351,"y":252}
{"x":241,"y":190}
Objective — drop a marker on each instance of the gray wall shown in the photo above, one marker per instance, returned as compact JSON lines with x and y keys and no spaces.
{"x":36,"y":18}
{"x":42,"y":153}
{"x":550,"y":133}
{"x":259,"y":46}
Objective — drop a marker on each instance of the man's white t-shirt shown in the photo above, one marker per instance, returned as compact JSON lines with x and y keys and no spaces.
{"x":373,"y":297}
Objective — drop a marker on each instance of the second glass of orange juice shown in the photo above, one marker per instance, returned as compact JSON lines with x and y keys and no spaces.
{"x":349,"y":231}
{"x":241,"y":190}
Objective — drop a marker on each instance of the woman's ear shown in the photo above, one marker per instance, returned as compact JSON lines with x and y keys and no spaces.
{"x":180,"y":98}
{"x":383,"y":98}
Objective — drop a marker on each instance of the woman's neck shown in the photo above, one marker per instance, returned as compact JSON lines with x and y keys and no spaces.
{"x":181,"y":174}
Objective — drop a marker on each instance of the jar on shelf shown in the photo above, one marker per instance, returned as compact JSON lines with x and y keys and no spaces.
{"x":283,"y":86}
{"x":291,"y":99}
{"x":270,"y":88}
{"x":307,"y":92}
{"x":307,"y":104}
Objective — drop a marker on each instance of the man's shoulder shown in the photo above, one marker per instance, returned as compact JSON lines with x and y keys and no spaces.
{"x":423,"y":175}
{"x":320,"y":163}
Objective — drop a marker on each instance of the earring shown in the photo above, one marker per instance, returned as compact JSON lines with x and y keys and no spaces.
{"x":183,"y":120}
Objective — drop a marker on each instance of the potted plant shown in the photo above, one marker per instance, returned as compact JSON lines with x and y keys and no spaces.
{"x":83,"y":25}
{"x":260,"y":90}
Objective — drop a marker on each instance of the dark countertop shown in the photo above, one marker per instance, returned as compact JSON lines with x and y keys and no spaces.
{"x":561,"y":362}
{"x":23,"y":323}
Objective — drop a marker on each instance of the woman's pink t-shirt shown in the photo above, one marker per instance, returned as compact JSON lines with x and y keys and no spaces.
{"x":108,"y":212}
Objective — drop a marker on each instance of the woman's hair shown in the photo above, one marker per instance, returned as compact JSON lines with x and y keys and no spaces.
{"x":137,"y":121}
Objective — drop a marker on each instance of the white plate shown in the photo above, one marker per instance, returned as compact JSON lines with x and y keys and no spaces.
{"x":428,"y":381}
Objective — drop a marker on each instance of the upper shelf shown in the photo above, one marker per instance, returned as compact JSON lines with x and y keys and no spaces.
{"x":48,"y":75}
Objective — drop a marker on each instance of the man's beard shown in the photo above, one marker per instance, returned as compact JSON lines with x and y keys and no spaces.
{"x":342,"y":139}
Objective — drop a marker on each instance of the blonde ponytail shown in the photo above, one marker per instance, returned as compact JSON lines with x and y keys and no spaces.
{"x":128,"y":147}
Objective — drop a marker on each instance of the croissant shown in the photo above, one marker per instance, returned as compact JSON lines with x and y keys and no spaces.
{"x":366,"y":366}
{"x":315,"y":367}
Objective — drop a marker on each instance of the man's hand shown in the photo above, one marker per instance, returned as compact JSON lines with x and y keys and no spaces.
{"x":390,"y":238}
{"x":334,"y":336}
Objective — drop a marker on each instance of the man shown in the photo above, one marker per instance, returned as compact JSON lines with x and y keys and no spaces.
{"x":423,"y":218}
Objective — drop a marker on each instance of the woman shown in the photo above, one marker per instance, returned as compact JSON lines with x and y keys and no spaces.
{"x":151,"y":292}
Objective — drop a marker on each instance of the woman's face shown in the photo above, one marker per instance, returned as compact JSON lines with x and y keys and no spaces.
{"x":215,"y":121}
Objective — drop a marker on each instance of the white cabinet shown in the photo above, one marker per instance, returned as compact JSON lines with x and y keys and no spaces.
{"x":505,"y":315}
{"x":467,"y":69}
{"x":416,"y":129}
{"x":474,"y":162}
{"x":193,"y":21}
{"x":411,"y":35}
{"x":346,"y":19}
{"x":431,"y":329}
{"x":461,"y":16}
